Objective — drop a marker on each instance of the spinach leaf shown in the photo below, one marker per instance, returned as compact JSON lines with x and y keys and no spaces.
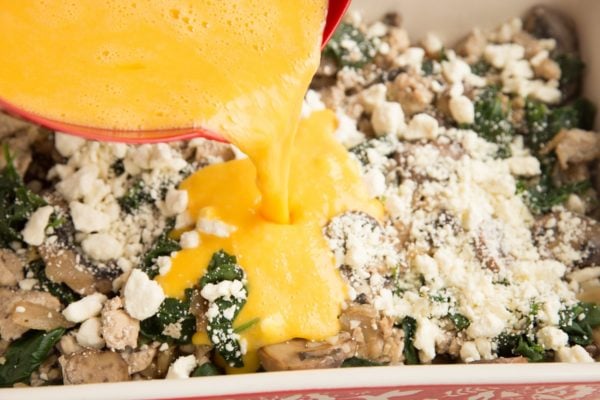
{"x":511,"y":345}
{"x":349,"y":47}
{"x":17,"y":203}
{"x":207,"y":369}
{"x":163,"y":246}
{"x":224,"y":309}
{"x":579,"y":321}
{"x":542,"y":194}
{"x":59,"y":290}
{"x":427,"y":67}
{"x":136,"y":196}
{"x":25,"y":355}
{"x":172,"y":323}
{"x":571,"y":68}
{"x":411,"y":355}
{"x":359,"y":362}
{"x":481,"y":68}
{"x":492,"y":120}
{"x":460,"y":321}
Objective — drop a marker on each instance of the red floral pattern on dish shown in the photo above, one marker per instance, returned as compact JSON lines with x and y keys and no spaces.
{"x":555,"y":391}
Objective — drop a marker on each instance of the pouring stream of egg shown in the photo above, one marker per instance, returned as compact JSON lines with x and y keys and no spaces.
{"x":238,"y":68}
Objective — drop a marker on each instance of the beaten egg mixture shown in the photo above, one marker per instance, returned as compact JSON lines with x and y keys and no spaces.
{"x":237,"y":68}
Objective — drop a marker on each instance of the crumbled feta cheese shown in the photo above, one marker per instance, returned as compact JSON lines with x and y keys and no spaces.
{"x":189,"y":240}
{"x":89,"y":334}
{"x":425,"y":338}
{"x":27,"y":283}
{"x":183,"y":220}
{"x":102,"y":247}
{"x":375,"y":182}
{"x":176,"y":202}
{"x":524,"y":166}
{"x":346,"y":132}
{"x":87,"y":219}
{"x":215,"y":227}
{"x":66,"y":144}
{"x":34,"y":232}
{"x":142,"y":296}
{"x":421,"y":126}
{"x":576,"y":204}
{"x":455,"y":70}
{"x":469,"y":352}
{"x":387,"y":118}
{"x":312,"y":102}
{"x":164,"y":265}
{"x":20,"y":309}
{"x":182,"y":367}
{"x":552,"y":338}
{"x":85,"y":308}
{"x":432,"y":43}
{"x":225,"y":289}
{"x":412,"y":58}
{"x":499,"y":55}
{"x":574,"y":354}
{"x":462,"y":109}
{"x":372,"y":96}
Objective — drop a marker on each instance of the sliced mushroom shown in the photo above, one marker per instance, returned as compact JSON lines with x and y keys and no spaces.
{"x":198,"y":308}
{"x":211,"y":152}
{"x":574,"y":146}
{"x":63,"y":266}
{"x":546,"y":23}
{"x":9,"y":330}
{"x":139,"y":360}
{"x":91,"y":366}
{"x":300,"y":354}
{"x":375,"y":337}
{"x":11,"y":268}
{"x":35,"y":316}
{"x":581,"y":238}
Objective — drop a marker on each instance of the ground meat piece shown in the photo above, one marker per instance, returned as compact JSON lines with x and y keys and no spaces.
{"x":574,"y":146}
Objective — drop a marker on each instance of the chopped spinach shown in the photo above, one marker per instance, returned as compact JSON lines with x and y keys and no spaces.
{"x":541,"y":195}
{"x":511,"y":345}
{"x":59,"y":290}
{"x":460,"y":321}
{"x":25,"y":355}
{"x":481,"y":68}
{"x":245,"y":326}
{"x":578,"y":322}
{"x":571,"y":69}
{"x":492,"y":120}
{"x":17,"y":203}
{"x":349,"y":47}
{"x":163,"y":246}
{"x":118,"y":167}
{"x":427,"y":67}
{"x":136,"y":196}
{"x":172,"y":314}
{"x":359,"y":362}
{"x":543,"y":122}
{"x":207,"y":369}
{"x":409,"y":326}
{"x":223,"y":267}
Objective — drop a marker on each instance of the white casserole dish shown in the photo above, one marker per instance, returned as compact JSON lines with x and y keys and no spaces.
{"x":449,"y":19}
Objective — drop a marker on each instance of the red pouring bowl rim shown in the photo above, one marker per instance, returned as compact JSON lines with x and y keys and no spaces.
{"x":335,"y":12}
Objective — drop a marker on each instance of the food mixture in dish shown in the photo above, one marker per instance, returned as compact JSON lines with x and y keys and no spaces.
{"x":458,"y":225}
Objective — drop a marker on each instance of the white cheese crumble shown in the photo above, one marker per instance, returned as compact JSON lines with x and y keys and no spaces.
{"x":176,"y":202}
{"x":387,"y":118}
{"x":182,"y":367}
{"x":462,"y":109}
{"x":66,"y":144}
{"x":85,"y":308}
{"x":142,"y":296}
{"x":189,"y":240}
{"x":421,"y":126}
{"x":214,"y":227}
{"x":574,"y":354}
{"x":34,"y":232}
{"x":89,"y":334}
{"x":164,"y":265}
{"x":226,"y":289}
{"x":552,"y":338}
{"x":87,"y":219}
{"x":102,"y":247}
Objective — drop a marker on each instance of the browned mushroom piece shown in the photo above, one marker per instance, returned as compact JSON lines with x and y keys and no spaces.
{"x":63,"y":266}
{"x":412,"y":91}
{"x":375,"y":336}
{"x":35,"y":316}
{"x":9,"y":330}
{"x":92,"y":366}
{"x":547,"y":23}
{"x":11,"y":268}
{"x":582,"y":237}
{"x":472,"y":46}
{"x":503,"y":360}
{"x":574,"y":146}
{"x":298,"y":354}
{"x":139,"y":360}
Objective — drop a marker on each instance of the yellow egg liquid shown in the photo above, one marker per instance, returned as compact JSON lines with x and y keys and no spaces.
{"x":240,"y":69}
